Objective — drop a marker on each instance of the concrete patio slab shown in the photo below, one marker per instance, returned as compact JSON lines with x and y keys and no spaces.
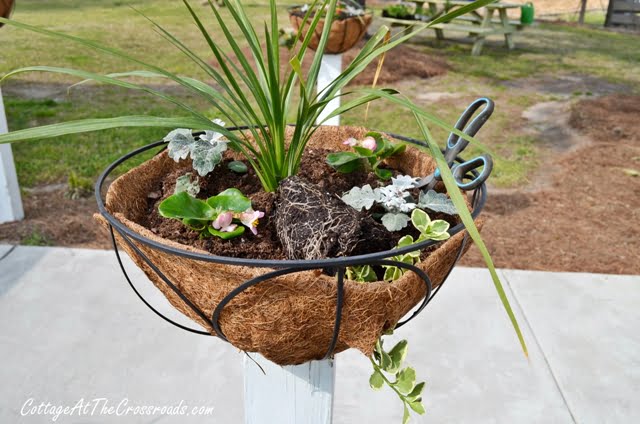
{"x":588,"y":326}
{"x":464,"y":347}
{"x":4,"y":249}
{"x":72,"y":329}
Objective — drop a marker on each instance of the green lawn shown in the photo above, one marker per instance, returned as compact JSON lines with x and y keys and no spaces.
{"x":542,"y":51}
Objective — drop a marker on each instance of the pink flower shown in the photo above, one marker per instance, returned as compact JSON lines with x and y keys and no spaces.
{"x":223,"y":222}
{"x":250,"y":219}
{"x":369,"y":143}
{"x":350,"y":142}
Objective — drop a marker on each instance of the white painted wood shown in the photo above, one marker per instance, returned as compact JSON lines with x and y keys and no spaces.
{"x":10,"y":202}
{"x":330,"y":68}
{"x":300,"y":394}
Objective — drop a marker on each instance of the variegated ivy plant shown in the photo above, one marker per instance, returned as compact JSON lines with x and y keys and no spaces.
{"x":254,"y":94}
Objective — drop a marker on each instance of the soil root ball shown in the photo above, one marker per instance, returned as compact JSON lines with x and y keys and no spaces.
{"x":312,"y":224}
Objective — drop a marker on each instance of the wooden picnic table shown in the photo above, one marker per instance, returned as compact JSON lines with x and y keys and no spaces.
{"x":479,"y":24}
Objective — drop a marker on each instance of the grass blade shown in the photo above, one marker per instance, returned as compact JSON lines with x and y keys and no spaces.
{"x":461,"y":11}
{"x":467,"y":219}
{"x":87,"y":125}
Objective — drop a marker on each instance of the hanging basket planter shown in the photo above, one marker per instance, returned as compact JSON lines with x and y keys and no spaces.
{"x":290,"y":311}
{"x":6,"y":7}
{"x":345,"y":33}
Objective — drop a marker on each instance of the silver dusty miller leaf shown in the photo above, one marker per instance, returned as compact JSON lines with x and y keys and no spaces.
{"x":180,"y":143}
{"x":184,"y":183}
{"x":206,"y":156}
{"x":437,"y":202}
{"x":359,"y":198}
{"x":404,"y":182}
{"x":213,"y":136}
{"x":395,"y":221}
{"x":395,"y":199}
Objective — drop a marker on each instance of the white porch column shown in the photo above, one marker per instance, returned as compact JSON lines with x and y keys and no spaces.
{"x":330,"y":68}
{"x":10,"y":202}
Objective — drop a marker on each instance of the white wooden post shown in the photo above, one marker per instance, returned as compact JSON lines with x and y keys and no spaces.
{"x":10,"y":202}
{"x":330,"y":68}
{"x":300,"y":394}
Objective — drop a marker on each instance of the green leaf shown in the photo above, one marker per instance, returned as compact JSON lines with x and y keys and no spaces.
{"x":195,"y":224}
{"x":231,"y":199}
{"x":367,"y":274}
{"x":363,"y":274}
{"x":392,"y":273}
{"x":383,"y":174}
{"x":238,"y":167}
{"x":422,"y":114}
{"x":184,"y":206}
{"x":461,"y":11}
{"x":420,"y":220}
{"x":338,"y":159}
{"x":227,"y":235}
{"x":376,"y":381}
{"x":86,"y":125}
{"x":416,"y":392}
{"x":104,"y":79}
{"x":417,"y":406}
{"x":398,"y":354}
{"x":398,"y":148}
{"x":405,"y":415}
{"x":405,"y":380}
{"x":405,"y":241}
{"x":439,"y":226}
{"x":363,"y":152}
{"x":467,"y":219}
{"x":385,"y":360}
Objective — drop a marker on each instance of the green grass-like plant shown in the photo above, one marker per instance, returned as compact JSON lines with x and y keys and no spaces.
{"x":253,"y":93}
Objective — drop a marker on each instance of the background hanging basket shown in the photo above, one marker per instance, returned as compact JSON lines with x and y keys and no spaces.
{"x":6,"y":7}
{"x":289,"y":319}
{"x":345,"y":33}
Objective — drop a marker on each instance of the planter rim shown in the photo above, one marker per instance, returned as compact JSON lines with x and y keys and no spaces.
{"x":479,"y":199}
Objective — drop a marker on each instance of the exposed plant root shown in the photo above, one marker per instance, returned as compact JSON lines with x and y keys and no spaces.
{"x":312,"y":224}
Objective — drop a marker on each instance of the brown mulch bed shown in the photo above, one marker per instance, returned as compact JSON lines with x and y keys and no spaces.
{"x":55,"y":219}
{"x":584,"y":220}
{"x":400,"y":63}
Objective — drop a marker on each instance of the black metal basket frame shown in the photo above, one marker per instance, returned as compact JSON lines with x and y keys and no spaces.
{"x":279,"y":267}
